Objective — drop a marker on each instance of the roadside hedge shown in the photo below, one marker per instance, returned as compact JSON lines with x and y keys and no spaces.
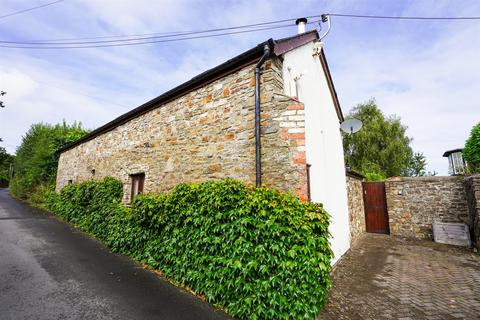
{"x":255,"y":252}
{"x":36,"y":159}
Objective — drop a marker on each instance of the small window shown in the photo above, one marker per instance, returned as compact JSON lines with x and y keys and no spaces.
{"x":69,"y":181}
{"x":137,"y":184}
{"x":93,"y":172}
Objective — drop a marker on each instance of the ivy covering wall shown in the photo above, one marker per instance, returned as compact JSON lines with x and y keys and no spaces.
{"x":254,"y":252}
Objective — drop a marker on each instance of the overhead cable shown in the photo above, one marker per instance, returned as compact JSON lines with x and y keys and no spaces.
{"x":133,"y":41}
{"x":30,"y":9}
{"x":399,"y":17}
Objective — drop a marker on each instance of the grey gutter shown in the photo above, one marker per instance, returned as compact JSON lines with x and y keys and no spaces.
{"x":258,"y":72}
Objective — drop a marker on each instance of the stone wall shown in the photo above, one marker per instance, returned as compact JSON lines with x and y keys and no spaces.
{"x":207,"y":133}
{"x":472,"y":190}
{"x":414,"y":203}
{"x":356,"y":209}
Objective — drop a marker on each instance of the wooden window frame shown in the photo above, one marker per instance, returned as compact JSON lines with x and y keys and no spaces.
{"x":141,"y":181}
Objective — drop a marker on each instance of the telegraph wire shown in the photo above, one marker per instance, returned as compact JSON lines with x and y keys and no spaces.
{"x":150,"y":38}
{"x":175,"y":33}
{"x":101,"y":45}
{"x":398,"y":17}
{"x":30,"y":9}
{"x":188,"y":32}
{"x":159,"y":36}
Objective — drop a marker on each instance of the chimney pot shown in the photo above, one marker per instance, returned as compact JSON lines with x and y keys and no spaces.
{"x":301,"y":23}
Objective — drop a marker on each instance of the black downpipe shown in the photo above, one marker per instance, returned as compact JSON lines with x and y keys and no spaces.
{"x":258,"y":72}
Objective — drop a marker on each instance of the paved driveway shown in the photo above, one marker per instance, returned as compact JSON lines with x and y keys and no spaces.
{"x":387,"y":278}
{"x":49,"y":270}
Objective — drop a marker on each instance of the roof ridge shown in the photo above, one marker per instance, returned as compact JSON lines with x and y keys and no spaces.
{"x":295,"y":36}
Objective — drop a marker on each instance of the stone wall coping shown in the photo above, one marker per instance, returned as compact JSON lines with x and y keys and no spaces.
{"x":424,"y":179}
{"x":475,"y":176}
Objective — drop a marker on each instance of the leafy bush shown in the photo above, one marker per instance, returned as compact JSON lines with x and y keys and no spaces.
{"x":372,"y":176}
{"x":256,"y":252}
{"x":37,"y":159}
{"x":471,"y":152}
{"x":39,"y":194}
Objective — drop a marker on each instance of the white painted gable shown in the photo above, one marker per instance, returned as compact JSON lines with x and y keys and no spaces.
{"x":305,"y":78}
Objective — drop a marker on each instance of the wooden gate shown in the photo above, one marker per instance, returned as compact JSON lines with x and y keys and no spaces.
{"x":375,"y":201}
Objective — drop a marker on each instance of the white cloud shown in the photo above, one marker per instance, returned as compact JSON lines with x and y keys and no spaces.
{"x":18,"y":85}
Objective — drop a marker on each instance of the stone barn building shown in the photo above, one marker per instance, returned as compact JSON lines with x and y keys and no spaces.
{"x":269,"y":115}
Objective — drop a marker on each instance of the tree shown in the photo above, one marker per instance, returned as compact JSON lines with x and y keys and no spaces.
{"x":417,"y":165}
{"x":36,"y":160}
{"x":471,"y":151}
{"x":5,"y":161}
{"x":381,"y":148}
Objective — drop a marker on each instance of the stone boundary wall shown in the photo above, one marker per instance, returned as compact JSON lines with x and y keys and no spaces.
{"x":207,"y":133}
{"x":356,"y":209}
{"x":414,"y":203}
{"x":472,"y":190}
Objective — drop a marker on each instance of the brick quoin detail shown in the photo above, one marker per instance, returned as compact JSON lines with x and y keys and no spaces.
{"x":292,"y":123}
{"x":296,"y":107}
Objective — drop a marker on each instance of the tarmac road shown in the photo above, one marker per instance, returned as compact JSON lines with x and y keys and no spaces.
{"x":49,"y":270}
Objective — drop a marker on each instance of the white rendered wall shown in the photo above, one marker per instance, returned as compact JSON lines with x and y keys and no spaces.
{"x":324,"y":150}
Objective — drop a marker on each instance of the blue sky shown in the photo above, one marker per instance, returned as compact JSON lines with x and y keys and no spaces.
{"x":426,"y":72}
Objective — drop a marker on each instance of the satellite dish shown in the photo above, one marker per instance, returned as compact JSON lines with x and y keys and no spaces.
{"x":351,"y":126}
